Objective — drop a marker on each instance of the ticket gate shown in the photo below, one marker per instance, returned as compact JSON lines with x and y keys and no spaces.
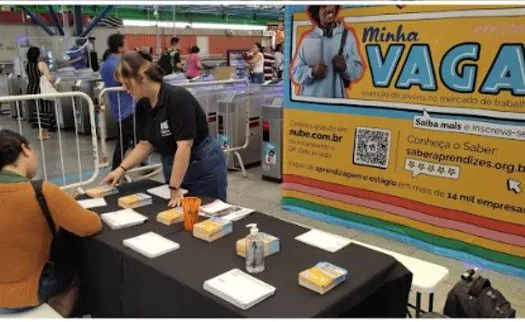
{"x":272,"y":133}
{"x":210,"y":94}
{"x":240,"y":122}
{"x":86,"y":85}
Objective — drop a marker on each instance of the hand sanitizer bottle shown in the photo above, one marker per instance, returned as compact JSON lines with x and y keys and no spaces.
{"x":254,"y":250}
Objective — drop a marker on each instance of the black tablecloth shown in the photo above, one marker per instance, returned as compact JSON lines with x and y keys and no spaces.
{"x":118,"y":282}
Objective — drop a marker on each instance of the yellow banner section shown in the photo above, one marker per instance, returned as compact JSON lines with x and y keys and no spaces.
{"x":450,"y":57}
{"x":431,"y":229}
{"x":404,"y":9}
{"x":482,"y":175}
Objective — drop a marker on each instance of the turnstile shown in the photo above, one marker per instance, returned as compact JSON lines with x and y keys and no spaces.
{"x":64,"y":107}
{"x":236,"y":112}
{"x":14,"y":87}
{"x":74,"y":81}
{"x":112,"y":128}
{"x":209,"y":96}
{"x":86,"y":85}
{"x":272,"y":138}
{"x":4,"y":91}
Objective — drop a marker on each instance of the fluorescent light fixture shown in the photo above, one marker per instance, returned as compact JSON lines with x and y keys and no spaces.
{"x":182,"y":25}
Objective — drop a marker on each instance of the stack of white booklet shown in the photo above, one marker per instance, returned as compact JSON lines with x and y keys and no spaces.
{"x":239,"y":288}
{"x":151,"y":244}
{"x":224,"y":210}
{"x":92,"y":203}
{"x":123,"y":218}
{"x":163,"y":191}
{"x":323,"y":240}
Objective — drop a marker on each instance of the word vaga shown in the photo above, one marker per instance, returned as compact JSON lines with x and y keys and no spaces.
{"x":506,"y":73}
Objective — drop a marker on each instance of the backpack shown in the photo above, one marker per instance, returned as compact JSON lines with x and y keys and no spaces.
{"x":165,"y":62}
{"x":346,"y":81}
{"x":474,"y":297}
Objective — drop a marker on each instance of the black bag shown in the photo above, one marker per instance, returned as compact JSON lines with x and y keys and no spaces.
{"x":474,"y":297}
{"x":60,"y":254}
{"x":165,"y":62}
{"x":346,"y":81}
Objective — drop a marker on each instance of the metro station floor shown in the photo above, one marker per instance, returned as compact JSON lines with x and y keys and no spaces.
{"x":252,"y":192}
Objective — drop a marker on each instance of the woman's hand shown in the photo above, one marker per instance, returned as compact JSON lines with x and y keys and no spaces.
{"x":114,"y":177}
{"x":176,"y":198}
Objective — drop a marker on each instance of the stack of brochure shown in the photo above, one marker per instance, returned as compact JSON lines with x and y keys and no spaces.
{"x":239,"y":288}
{"x":329,"y":242}
{"x":224,"y":210}
{"x":164,"y":191}
{"x":151,"y":244}
{"x":135,"y":200}
{"x":92,"y":203}
{"x":123,"y":218}
{"x":271,"y":245}
{"x":322,"y":277}
{"x":170,"y":217}
{"x":102,"y":191}
{"x":212,"y":229}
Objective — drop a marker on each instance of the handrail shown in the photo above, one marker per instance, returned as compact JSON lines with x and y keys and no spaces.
{"x":58,"y":95}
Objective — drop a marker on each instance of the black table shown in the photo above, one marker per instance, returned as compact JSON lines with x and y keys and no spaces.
{"x":118,"y":282}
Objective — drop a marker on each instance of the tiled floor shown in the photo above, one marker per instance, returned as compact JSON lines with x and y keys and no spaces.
{"x":265,"y":197}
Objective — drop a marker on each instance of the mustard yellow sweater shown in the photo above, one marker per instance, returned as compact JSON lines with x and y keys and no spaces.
{"x":25,"y":238}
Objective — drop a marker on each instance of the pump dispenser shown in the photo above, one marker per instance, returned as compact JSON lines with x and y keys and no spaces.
{"x":254,"y":250}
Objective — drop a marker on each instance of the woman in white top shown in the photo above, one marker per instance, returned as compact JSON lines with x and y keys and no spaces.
{"x":279,"y":60}
{"x":256,"y":64}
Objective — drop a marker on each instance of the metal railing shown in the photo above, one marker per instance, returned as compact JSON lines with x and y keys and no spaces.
{"x":38,"y":100}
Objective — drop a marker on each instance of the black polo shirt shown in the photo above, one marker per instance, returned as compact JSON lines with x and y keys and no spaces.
{"x":177,"y":116}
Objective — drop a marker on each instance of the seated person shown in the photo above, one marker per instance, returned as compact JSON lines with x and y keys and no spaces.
{"x":27,"y":277}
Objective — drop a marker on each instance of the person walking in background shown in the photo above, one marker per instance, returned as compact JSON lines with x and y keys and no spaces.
{"x":337,"y":64}
{"x":120,"y":104}
{"x":256,"y":64}
{"x":27,"y":275}
{"x":42,"y":114}
{"x":279,"y":60}
{"x":170,"y":61}
{"x":193,"y":63}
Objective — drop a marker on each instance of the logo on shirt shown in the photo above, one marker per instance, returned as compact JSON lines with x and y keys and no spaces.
{"x":165,"y":129}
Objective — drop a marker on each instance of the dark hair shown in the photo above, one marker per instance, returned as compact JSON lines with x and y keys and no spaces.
{"x":106,"y":54}
{"x":174,"y":41}
{"x":194,"y":50}
{"x":115,"y":41}
{"x":261,"y":48}
{"x":134,"y":63}
{"x":33,"y":53}
{"x":313,"y":11}
{"x":10,"y":147}
{"x":278,"y":47}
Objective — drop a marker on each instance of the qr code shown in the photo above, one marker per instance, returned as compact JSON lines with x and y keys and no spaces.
{"x":372,"y":147}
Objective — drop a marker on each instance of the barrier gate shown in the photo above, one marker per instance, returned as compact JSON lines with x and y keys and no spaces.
{"x":58,"y":173}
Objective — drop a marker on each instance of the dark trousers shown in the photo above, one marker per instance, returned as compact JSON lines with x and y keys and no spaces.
{"x":124,"y":143}
{"x":207,"y":174}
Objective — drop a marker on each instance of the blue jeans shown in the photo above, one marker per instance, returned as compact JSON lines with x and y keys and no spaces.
{"x":207,"y":174}
{"x":257,"y":78}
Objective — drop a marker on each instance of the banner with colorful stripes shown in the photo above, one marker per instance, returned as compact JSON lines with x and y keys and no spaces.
{"x":409,"y":121}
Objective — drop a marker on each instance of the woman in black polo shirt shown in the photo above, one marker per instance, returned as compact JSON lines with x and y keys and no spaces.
{"x":171,"y":122}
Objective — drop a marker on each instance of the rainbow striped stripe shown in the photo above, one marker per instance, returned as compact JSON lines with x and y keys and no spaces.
{"x":490,"y":239}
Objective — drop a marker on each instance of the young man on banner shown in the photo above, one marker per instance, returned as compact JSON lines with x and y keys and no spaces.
{"x":328,"y":60}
